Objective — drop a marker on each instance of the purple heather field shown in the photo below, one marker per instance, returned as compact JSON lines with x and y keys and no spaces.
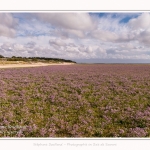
{"x":92,"y":100}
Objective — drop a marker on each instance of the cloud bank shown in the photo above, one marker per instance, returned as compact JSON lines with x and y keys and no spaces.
{"x":76,"y":35}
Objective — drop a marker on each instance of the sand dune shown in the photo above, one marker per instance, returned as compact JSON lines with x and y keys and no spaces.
{"x":31,"y":65}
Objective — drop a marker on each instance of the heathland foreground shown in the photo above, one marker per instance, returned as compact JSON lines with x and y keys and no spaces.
{"x":101,"y":100}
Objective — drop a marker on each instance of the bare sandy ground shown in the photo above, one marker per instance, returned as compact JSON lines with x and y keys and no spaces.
{"x":31,"y":65}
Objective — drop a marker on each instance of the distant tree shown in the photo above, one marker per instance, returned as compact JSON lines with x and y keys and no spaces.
{"x":1,"y":56}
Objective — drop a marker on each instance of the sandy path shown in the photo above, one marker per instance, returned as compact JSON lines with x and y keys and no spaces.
{"x":31,"y":65}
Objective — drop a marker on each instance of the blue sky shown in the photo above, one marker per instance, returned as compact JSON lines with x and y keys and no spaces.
{"x":83,"y":37}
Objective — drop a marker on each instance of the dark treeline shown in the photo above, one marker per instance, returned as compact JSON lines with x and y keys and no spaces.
{"x":14,"y":58}
{"x":1,"y":56}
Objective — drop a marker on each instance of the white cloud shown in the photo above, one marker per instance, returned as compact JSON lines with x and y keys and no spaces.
{"x":105,"y":36}
{"x":30,"y":44}
{"x":57,"y":42}
{"x":73,"y":33}
{"x":141,"y":22}
{"x":73,"y":21}
{"x":144,"y":37}
{"x":68,"y":25}
{"x":7,"y":25}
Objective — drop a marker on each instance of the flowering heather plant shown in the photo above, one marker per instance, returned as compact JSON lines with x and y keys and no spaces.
{"x":75,"y":101}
